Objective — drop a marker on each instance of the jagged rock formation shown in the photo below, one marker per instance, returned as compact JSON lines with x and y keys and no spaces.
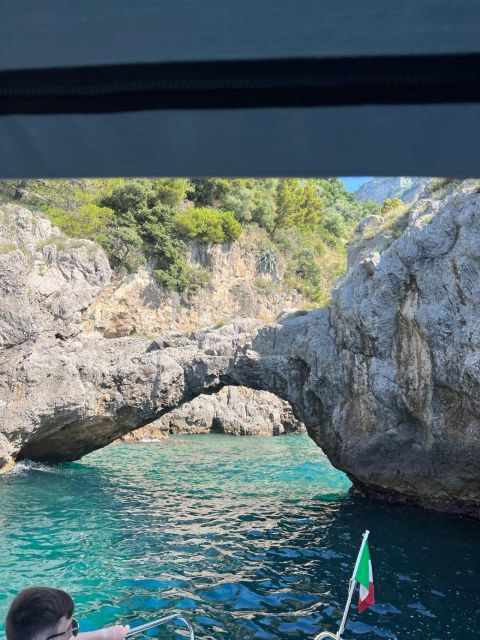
{"x":233,"y":410}
{"x":387,"y":381}
{"x":379,"y":189}
{"x":46,"y":282}
{"x":406,"y":323}
{"x":46,"y":279}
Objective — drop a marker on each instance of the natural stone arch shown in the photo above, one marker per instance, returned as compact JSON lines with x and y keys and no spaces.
{"x":387,"y":381}
{"x":102,"y":391}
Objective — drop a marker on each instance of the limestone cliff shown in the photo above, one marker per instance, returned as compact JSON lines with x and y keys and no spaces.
{"x":386,"y":381}
{"x":137,"y":304}
{"x":379,"y":189}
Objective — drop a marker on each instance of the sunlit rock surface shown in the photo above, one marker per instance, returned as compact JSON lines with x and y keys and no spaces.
{"x":235,"y":411}
{"x":386,"y":381}
{"x":379,"y":189}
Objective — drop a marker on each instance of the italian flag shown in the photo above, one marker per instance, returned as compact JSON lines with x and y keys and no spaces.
{"x":364,"y":576}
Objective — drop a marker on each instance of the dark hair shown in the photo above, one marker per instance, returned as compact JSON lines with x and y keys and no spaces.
{"x":37,"y":610}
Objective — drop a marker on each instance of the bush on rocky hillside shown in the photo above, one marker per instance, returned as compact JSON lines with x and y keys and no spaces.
{"x":208,"y":225}
{"x":139,"y":221}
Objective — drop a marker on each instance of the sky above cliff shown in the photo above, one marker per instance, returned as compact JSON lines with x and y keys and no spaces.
{"x":352,"y":184}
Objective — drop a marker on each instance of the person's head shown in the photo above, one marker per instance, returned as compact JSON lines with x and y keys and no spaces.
{"x":41,"y":613}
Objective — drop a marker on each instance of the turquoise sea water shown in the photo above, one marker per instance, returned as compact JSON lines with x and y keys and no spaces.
{"x":253,"y":538}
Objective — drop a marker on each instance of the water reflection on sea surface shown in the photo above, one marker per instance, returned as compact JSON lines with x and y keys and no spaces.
{"x":251,"y":537}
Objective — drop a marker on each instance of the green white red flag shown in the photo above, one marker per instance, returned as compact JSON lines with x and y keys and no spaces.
{"x":362,"y":573}
{"x":364,"y":576}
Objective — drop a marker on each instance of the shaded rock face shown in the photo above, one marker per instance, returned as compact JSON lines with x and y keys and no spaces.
{"x":407,"y":327}
{"x":233,"y":410}
{"x":379,"y":189}
{"x":386,"y":381}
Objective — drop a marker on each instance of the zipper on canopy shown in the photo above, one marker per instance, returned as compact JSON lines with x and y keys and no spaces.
{"x":243,"y":84}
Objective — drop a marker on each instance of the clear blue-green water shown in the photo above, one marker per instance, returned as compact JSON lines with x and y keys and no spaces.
{"x":254,"y":538}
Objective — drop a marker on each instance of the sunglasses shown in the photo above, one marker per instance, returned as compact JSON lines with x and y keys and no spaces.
{"x":73,"y":630}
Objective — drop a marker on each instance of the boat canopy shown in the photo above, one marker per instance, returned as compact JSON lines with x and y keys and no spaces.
{"x":240,"y":88}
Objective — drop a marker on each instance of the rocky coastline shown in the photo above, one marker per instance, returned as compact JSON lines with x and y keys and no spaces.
{"x":386,"y":380}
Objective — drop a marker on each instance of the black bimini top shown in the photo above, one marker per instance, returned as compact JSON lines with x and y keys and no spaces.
{"x":251,"y":87}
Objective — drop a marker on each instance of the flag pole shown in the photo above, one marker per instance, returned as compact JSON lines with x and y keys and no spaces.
{"x":351,"y":587}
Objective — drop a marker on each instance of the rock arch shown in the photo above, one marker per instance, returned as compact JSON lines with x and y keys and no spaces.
{"x":101,"y":389}
{"x":387,"y":381}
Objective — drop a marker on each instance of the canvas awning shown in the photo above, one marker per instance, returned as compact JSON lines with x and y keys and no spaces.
{"x":250,"y":87}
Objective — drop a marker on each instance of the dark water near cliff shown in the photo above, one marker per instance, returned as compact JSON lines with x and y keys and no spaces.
{"x":254,"y":538}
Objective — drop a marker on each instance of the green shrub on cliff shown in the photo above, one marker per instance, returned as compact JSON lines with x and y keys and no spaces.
{"x":267,"y":261}
{"x":124,"y":247}
{"x":208,"y":225}
{"x":250,"y":199}
{"x":145,"y":230}
{"x":131,"y":195}
{"x":180,"y":276}
{"x":314,"y":220}
{"x":88,"y":220}
{"x":71,"y":205}
{"x":390,"y":204}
